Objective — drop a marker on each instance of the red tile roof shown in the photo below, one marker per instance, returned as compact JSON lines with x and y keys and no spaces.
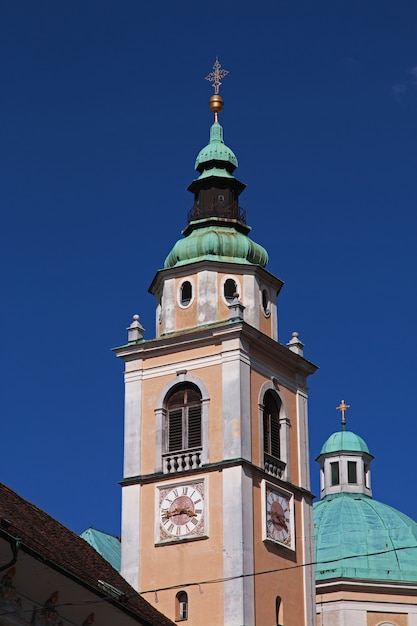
{"x":59,"y":546}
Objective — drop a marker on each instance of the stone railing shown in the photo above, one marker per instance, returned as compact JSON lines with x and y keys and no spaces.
{"x":273,"y":466}
{"x":177,"y":462}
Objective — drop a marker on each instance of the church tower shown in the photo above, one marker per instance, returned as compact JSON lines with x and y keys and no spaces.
{"x":216,"y":502}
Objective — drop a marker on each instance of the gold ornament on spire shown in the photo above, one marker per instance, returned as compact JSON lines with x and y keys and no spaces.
{"x":216,"y":101}
{"x":342,"y":407}
{"x":215,"y":76}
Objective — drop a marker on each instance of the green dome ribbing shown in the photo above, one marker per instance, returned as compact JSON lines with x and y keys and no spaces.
{"x":216,"y":150}
{"x":381,"y":541}
{"x":344,"y":441}
{"x":220,"y":243}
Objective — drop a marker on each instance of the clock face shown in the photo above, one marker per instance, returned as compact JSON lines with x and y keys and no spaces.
{"x":279,"y":516}
{"x":181,"y":511}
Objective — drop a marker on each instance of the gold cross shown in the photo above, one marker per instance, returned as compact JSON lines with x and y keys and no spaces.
{"x":342,"y":407}
{"x":215,"y":76}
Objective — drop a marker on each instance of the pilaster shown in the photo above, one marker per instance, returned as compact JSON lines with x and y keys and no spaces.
{"x":236,"y":401}
{"x":238,"y":547}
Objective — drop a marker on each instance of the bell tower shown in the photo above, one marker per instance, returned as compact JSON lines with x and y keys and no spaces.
{"x":216,"y":502}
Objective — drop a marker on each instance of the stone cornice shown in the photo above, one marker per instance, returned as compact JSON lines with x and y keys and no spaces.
{"x":208,"y":335}
{"x":146,"y":479}
{"x":366,"y":586}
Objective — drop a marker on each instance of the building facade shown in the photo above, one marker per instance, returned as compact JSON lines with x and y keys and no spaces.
{"x":216,"y":502}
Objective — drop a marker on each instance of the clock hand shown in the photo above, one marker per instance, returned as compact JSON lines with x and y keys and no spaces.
{"x":169,"y":514}
{"x":188,"y":512}
{"x":277,"y":517}
{"x":281,"y":520}
{"x":177,"y":511}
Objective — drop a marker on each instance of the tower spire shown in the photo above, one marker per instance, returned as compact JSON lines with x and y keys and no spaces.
{"x":342,"y":407}
{"x":216,"y":101}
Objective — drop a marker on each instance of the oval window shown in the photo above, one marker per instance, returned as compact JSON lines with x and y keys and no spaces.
{"x":229,"y":289}
{"x":265,"y":303}
{"x":186,"y":293}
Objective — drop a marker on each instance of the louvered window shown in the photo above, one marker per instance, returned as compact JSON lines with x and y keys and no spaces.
{"x":271,"y":425}
{"x":184,"y":418}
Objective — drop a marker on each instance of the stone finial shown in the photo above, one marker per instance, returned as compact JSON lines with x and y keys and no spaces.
{"x":236,"y":308}
{"x":135,"y":330}
{"x":296,"y":345}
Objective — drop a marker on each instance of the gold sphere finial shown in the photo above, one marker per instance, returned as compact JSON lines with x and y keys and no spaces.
{"x":216,"y":101}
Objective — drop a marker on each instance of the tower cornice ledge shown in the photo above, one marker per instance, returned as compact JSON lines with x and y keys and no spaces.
{"x":396,"y":587}
{"x":180,"y":342}
{"x":215,"y":467}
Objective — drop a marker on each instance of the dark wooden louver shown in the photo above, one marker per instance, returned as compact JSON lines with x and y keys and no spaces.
{"x":271,"y":426}
{"x":194,"y":426}
{"x":175,"y":430}
{"x":184,"y":419}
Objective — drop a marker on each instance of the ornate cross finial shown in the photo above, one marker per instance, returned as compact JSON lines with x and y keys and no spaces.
{"x":342,"y":407}
{"x":215,"y":76}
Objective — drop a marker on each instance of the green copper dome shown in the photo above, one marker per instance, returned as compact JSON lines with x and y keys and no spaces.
{"x":220,"y":243}
{"x":360,"y":538}
{"x":344,"y":441}
{"x":217,"y":151}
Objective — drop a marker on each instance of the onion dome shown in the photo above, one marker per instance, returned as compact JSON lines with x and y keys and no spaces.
{"x":219,"y":244}
{"x":360,"y":538}
{"x":216,"y":154}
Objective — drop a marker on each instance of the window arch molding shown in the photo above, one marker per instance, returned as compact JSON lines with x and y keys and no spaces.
{"x":185,"y":300}
{"x":160,"y":414}
{"x":181,"y":606}
{"x":226,"y":285}
{"x":265,"y":301}
{"x":284,"y":424}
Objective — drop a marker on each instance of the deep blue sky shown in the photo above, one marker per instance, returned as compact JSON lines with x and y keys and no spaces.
{"x":103,"y":109}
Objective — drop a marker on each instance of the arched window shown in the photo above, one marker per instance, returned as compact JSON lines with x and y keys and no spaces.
{"x":186,"y":293}
{"x":265,"y":303}
{"x":181,"y":606}
{"x":271,"y":426}
{"x":183,"y":410}
{"x":278,"y":611}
